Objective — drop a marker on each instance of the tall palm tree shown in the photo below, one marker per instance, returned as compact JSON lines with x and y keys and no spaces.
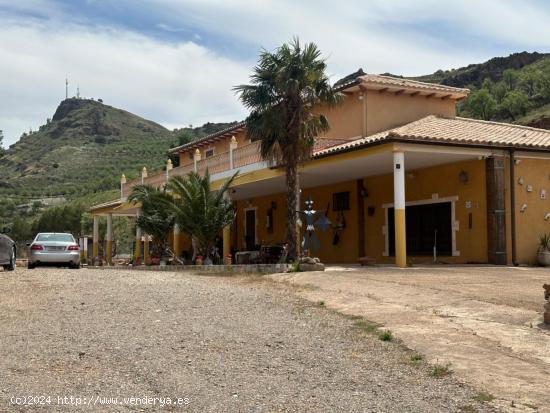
{"x":200,"y":212}
{"x":286,"y":86}
{"x":155,"y":218}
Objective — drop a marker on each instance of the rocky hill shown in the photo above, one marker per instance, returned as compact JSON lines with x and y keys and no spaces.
{"x":84,"y":149}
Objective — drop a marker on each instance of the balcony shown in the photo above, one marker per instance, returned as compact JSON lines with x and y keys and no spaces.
{"x":244,"y":158}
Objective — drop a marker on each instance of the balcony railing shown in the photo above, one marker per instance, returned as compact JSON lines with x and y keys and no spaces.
{"x":248,"y":154}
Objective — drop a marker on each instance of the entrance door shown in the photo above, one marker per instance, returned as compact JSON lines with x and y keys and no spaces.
{"x":250,"y":229}
{"x":427,"y":225}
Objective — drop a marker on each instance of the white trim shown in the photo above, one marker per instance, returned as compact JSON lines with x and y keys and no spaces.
{"x":242,"y":170}
{"x":412,"y":147}
{"x":255,"y":209}
{"x":455,"y":225}
{"x":399,"y":180}
{"x":527,"y":155}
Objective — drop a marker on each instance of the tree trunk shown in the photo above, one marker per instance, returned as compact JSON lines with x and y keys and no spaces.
{"x":291,"y":195}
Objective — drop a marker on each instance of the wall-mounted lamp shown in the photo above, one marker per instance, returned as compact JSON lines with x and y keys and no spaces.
{"x":521,"y":180}
{"x":463,"y":177}
{"x":361,"y":96}
{"x":547,"y":216}
{"x":364,"y":193}
{"x":523,"y":208}
{"x":517,"y":161}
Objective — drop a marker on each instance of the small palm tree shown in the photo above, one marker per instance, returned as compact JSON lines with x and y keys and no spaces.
{"x":200,"y":212}
{"x":286,"y":87}
{"x":155,"y":219}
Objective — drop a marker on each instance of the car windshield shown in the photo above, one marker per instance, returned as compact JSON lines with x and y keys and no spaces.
{"x":55,"y":237}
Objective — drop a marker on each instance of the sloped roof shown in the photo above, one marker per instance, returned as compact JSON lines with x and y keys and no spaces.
{"x":459,"y":131}
{"x":368,"y":81}
{"x":381,"y":81}
{"x":210,"y":138}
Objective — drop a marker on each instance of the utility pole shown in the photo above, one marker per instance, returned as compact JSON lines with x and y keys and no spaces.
{"x":66,"y":88}
{"x":78,"y":91}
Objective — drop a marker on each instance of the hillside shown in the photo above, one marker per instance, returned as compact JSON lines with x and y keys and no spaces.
{"x":511,"y":89}
{"x":80,"y":154}
{"x":84,"y":148}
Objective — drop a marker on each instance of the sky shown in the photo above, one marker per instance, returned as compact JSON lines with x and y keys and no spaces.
{"x":175,"y":61}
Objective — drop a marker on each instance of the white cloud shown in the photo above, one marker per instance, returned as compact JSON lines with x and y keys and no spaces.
{"x":173,"y":84}
{"x":180,"y":83}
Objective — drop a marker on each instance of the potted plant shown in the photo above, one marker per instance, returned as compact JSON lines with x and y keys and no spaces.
{"x":543,"y":255}
{"x":227,"y":260}
{"x":198,"y":260}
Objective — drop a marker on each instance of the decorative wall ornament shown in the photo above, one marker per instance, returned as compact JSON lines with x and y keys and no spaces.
{"x":313,"y":219}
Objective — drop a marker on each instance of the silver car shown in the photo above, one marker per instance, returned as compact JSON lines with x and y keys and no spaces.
{"x":7,"y":251}
{"x":54,"y":248}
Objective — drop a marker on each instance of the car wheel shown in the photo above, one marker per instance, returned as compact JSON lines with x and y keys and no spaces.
{"x":74,"y":266}
{"x":11,"y":265}
{"x":31,"y":266}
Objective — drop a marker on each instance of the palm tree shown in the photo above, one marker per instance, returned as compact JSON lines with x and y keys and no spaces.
{"x":155,"y":219}
{"x":200,"y":212}
{"x":286,"y":87}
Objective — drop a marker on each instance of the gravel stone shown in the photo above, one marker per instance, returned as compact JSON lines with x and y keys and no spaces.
{"x":228,"y":344}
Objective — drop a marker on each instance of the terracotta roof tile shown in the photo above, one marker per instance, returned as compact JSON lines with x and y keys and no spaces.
{"x":387,"y":81}
{"x":456,"y":131}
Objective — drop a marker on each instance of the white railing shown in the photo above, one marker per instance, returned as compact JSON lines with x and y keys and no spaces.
{"x":242,"y":156}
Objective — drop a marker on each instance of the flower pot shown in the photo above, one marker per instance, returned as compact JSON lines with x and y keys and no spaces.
{"x":543,"y":257}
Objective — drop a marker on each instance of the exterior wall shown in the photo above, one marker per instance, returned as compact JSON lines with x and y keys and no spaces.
{"x":345,"y":119}
{"x":220,"y":146}
{"x":421,"y":185}
{"x":441,"y":180}
{"x":530,"y":224}
{"x":386,"y":110}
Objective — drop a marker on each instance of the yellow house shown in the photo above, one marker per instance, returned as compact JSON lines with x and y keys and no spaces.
{"x":399,"y":175}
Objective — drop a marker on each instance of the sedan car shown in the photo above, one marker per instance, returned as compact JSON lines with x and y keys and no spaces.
{"x":54,"y":249}
{"x":7,"y":251}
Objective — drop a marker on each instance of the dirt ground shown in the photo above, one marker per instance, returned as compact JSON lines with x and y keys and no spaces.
{"x":486,"y":321}
{"x":103,"y":338}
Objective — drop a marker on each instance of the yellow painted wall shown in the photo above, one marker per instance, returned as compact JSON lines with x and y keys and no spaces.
{"x":386,"y":110}
{"x":531,"y":223}
{"x":420,"y":185}
{"x":443,"y":180}
{"x":220,"y":146}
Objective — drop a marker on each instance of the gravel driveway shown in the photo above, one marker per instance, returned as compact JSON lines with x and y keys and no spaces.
{"x":220,"y":344}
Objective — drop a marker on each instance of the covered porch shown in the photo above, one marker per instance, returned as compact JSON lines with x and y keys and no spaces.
{"x":364,"y":192}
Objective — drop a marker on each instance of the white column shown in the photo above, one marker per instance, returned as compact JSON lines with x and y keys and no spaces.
{"x":109,"y":238}
{"x":232,"y":147}
{"x":399,"y":209}
{"x":143,"y":174}
{"x":95,"y":245}
{"x":169,"y":167}
{"x":196,"y":159}
{"x":122,"y":183}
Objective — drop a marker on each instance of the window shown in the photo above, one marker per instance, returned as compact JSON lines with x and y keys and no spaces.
{"x":340,"y":201}
{"x":208,"y":153}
